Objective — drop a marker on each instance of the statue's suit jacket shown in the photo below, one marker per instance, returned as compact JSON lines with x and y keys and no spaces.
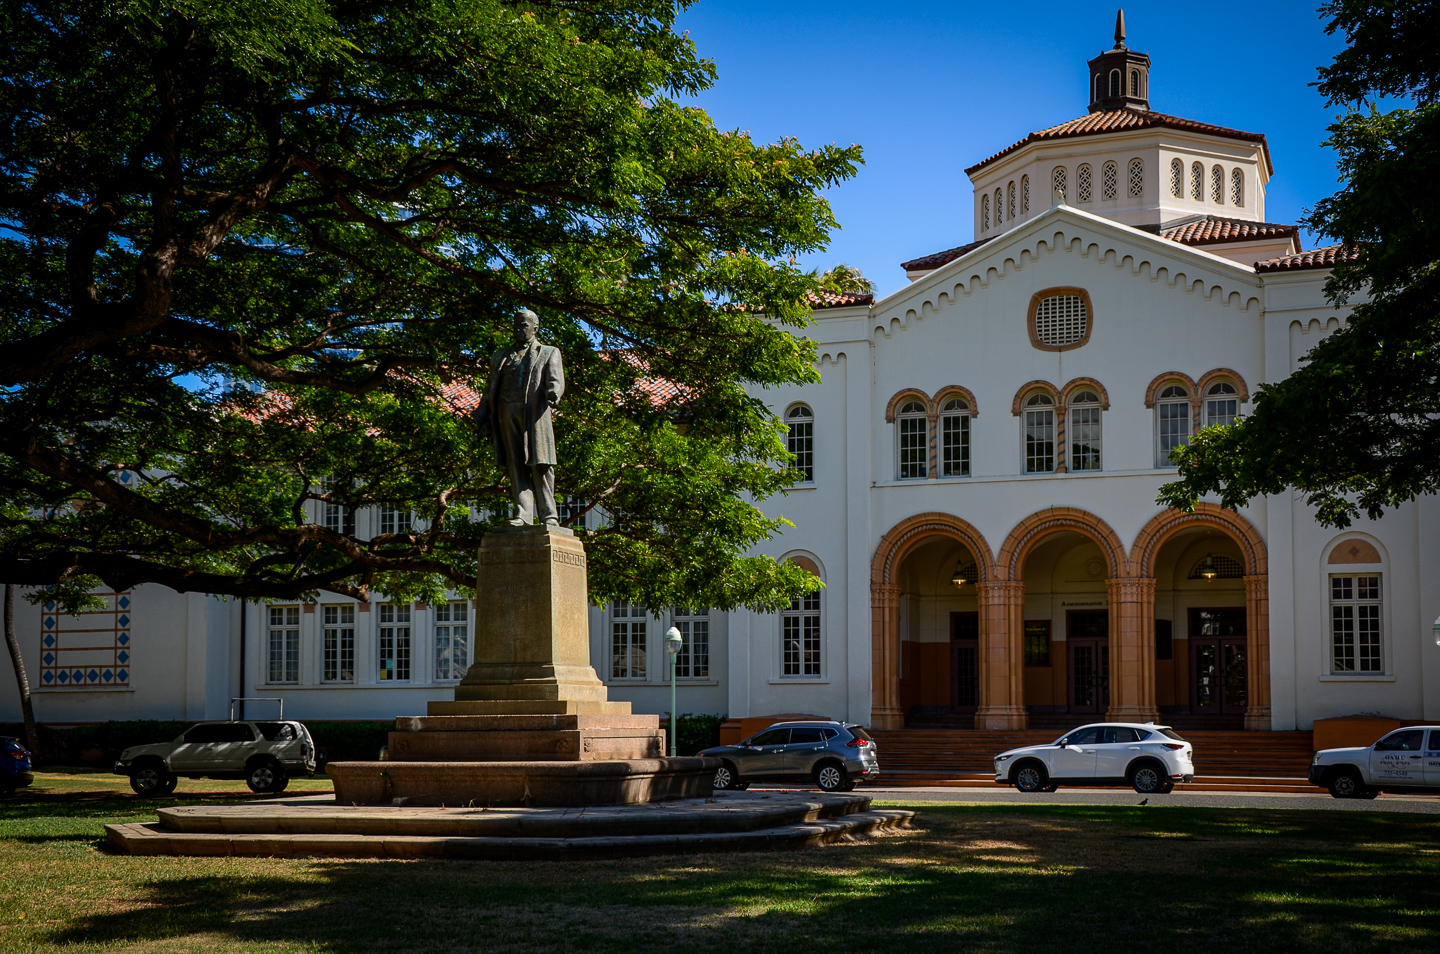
{"x":544,"y":384}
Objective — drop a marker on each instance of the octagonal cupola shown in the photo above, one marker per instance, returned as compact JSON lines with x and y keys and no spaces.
{"x":1120,"y":77}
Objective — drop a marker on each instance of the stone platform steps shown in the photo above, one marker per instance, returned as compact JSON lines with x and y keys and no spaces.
{"x":318,"y":827}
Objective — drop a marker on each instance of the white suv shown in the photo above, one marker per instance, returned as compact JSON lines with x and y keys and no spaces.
{"x":1150,"y":758}
{"x":265,"y":754}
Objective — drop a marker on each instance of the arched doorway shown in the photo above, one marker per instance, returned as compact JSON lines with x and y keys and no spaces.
{"x":1211,"y":617}
{"x":927,"y":634}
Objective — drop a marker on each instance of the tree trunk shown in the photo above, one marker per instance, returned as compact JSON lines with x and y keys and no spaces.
{"x":32,"y":731}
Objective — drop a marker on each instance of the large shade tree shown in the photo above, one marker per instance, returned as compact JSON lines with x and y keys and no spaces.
{"x":1357,"y":427}
{"x":254,"y":255}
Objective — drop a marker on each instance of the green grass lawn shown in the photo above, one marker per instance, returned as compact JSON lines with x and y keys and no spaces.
{"x":971,"y":877}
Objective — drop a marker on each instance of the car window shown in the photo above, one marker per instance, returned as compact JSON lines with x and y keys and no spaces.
{"x":276,"y":731}
{"x":206,"y":734}
{"x":1434,"y":739}
{"x":805,"y":736}
{"x":236,"y":732}
{"x":1406,"y":740}
{"x":1083,"y":737}
{"x":1171,"y":734}
{"x":1118,"y":734}
{"x":828,"y":734}
{"x":771,"y":737}
{"x":859,"y":733}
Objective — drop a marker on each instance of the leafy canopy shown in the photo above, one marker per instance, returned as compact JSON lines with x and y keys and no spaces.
{"x":1357,"y":427}
{"x":256,"y":253}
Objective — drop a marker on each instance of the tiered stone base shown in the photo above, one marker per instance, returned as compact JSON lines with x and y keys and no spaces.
{"x":529,"y":737}
{"x":318,"y":827}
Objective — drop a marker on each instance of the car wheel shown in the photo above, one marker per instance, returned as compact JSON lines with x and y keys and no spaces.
{"x":1030,"y":777}
{"x":726,"y":777}
{"x":284,"y":784}
{"x":1346,"y":784}
{"x":1167,"y":788}
{"x":150,"y":778}
{"x":169,"y":787}
{"x":1052,"y":787}
{"x":264,"y":777}
{"x":1147,"y":778}
{"x":830,"y":776}
{"x":1368,"y":793}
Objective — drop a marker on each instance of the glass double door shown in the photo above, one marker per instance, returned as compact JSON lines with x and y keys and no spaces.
{"x":1087,"y":646}
{"x":1219,"y":665}
{"x":964,"y":661}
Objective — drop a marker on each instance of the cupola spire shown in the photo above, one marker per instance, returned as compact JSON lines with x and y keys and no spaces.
{"x":1120,"y":77}
{"x":1120,"y":29}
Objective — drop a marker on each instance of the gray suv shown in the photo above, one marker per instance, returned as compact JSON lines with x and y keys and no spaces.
{"x":265,"y":754}
{"x":833,"y":755}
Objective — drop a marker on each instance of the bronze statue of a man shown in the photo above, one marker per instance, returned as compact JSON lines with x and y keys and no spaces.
{"x":526,"y":382}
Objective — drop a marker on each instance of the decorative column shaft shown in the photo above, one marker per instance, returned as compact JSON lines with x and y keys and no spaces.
{"x":885,"y":712}
{"x":1132,"y":650}
{"x":1257,"y":652}
{"x":1002,"y":657}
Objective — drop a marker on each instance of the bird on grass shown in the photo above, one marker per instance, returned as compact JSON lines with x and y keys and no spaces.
{"x":1144,"y":801}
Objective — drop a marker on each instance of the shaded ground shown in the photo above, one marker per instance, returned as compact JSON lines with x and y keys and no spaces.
{"x":1072,"y":878}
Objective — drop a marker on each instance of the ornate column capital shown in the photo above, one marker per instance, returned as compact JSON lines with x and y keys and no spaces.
{"x":1130,"y":589}
{"x":1000,"y":592}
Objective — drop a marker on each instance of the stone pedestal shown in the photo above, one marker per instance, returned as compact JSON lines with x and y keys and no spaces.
{"x":531,"y":723}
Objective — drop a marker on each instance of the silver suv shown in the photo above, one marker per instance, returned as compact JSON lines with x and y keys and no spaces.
{"x":265,"y":754}
{"x":833,"y":755}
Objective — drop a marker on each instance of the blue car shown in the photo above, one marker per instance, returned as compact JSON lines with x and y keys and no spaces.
{"x":14,"y":765}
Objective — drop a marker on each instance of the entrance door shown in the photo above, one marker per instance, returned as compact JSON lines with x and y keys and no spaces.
{"x":964,"y":661}
{"x":1219,"y":679}
{"x":1087,"y":643}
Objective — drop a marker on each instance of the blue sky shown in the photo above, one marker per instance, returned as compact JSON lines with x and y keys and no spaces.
{"x":929,"y":89}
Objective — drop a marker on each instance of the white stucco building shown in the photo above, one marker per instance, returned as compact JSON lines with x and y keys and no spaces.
{"x":981,"y":464}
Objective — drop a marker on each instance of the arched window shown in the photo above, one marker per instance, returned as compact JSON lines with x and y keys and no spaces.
{"x":1222,"y":404}
{"x":1137,"y":177}
{"x":912,"y":425}
{"x":1217,"y":185}
{"x":955,"y":438}
{"x":1135,"y":83}
{"x":1057,"y":182}
{"x":1108,"y":176}
{"x":1039,"y":417}
{"x":1172,"y":422}
{"x":1177,"y":178}
{"x":1024,"y":195}
{"x":1197,"y":182}
{"x":1099,"y":87}
{"x":1010,"y":200}
{"x":1084,"y":431}
{"x":801,"y":441}
{"x":1115,"y":88}
{"x":999,"y":207}
{"x":1357,"y":608}
{"x":800,"y":637}
{"x":985,"y":212}
{"x":1237,"y":187}
{"x":1082,"y":183}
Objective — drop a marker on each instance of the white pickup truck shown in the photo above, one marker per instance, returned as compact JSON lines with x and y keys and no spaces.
{"x":1407,"y":760}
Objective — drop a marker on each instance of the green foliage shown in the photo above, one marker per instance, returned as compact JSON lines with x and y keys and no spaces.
{"x":250,"y":246}
{"x":694,"y":732}
{"x":351,"y":741}
{"x":1356,"y":428}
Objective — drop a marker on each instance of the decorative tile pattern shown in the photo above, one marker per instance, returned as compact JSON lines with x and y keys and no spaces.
{"x":90,"y":650}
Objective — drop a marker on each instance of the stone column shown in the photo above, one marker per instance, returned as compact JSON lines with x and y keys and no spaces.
{"x":1132,"y":650}
{"x":1257,"y":652}
{"x":885,"y":712}
{"x":1002,"y":657}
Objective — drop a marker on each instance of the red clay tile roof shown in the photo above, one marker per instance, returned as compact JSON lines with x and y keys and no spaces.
{"x":829,"y":299}
{"x":1214,"y":229}
{"x":1327,"y":257}
{"x":933,"y":261}
{"x":1118,"y":120}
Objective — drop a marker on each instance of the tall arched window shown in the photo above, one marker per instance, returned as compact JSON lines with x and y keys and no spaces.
{"x":1115,"y":88}
{"x":1024,"y":195}
{"x":955,"y":438}
{"x":800,"y":637}
{"x":1099,"y":86}
{"x":1082,"y":183}
{"x":1172,"y":422}
{"x":999,"y":208}
{"x":1084,"y":431}
{"x":801,"y":441}
{"x":1137,"y":177}
{"x":912,"y":425}
{"x":1039,"y":417}
{"x":1222,"y":403}
{"x":1135,"y":83}
{"x":985,"y":212}
{"x":1197,"y":182}
{"x":1010,"y":200}
{"x":1057,"y":182}
{"x":1217,"y":185}
{"x":1237,"y":187}
{"x":1108,"y":177}
{"x":1177,"y":178}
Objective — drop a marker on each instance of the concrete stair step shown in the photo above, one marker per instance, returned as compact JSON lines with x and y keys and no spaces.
{"x":1201,"y":783}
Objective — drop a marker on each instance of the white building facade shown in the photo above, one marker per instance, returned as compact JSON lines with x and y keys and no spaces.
{"x":981,"y":462}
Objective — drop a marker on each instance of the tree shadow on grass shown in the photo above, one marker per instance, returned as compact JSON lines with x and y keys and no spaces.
{"x":1043,"y":881}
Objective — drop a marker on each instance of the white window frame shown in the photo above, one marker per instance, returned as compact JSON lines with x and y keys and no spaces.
{"x":394,"y":643}
{"x":1237,"y":187}
{"x":955,"y":421}
{"x":452,"y":639}
{"x":1010,"y":199}
{"x":999,"y":208}
{"x":1177,"y":179}
{"x":334,"y":516}
{"x":1323,"y":621}
{"x":1025,"y":195}
{"x":1356,"y":597}
{"x":912,"y":422}
{"x":985,"y":212}
{"x":337,"y":643}
{"x":1059,"y":182}
{"x":1217,"y":185}
{"x":1038,"y":408}
{"x":1109,"y":181}
{"x":630,"y":622}
{"x":1162,"y":455}
{"x":282,"y":646}
{"x":694,"y":625}
{"x":800,"y":440}
{"x":802,"y":639}
{"x":1083,"y":414}
{"x":1084,"y":183}
{"x":1197,"y":182}
{"x":395,"y":520}
{"x":1214,"y":397}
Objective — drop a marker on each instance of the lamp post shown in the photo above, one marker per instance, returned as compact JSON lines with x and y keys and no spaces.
{"x":673,"y":642}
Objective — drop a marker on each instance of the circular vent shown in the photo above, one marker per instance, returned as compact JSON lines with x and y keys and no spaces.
{"x":1061,"y":320}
